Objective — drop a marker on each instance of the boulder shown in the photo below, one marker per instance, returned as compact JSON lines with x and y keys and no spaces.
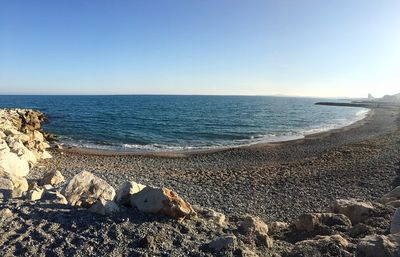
{"x":224,"y":243}
{"x":85,"y":189}
{"x":395,"y":224}
{"x":379,"y":246}
{"x":210,"y":214}
{"x":12,"y":186}
{"x":53,"y":178}
{"x":311,"y":221}
{"x":255,"y":230}
{"x":126,"y":190}
{"x":104,"y":207}
{"x":321,"y":246}
{"x":46,"y":155}
{"x":162,"y":201}
{"x":12,"y":164}
{"x":356,"y":210}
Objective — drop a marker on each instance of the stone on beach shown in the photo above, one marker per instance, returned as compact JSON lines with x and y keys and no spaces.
{"x":311,"y":221}
{"x":356,"y":210}
{"x":12,"y":164}
{"x":334,"y":245}
{"x":85,"y":189}
{"x":54,"y":196}
{"x":395,"y":223}
{"x":126,"y":190}
{"x":35,"y":194}
{"x":104,"y":207}
{"x":162,"y":201}
{"x":210,"y":214}
{"x":12,"y":186}
{"x":53,"y":178}
{"x":379,"y":246}
{"x":223,"y":243}
{"x":256,"y":230}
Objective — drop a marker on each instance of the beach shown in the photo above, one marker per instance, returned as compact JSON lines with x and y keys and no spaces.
{"x":274,"y":181}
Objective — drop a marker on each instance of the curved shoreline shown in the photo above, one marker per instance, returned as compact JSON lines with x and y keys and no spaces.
{"x":188,"y":152}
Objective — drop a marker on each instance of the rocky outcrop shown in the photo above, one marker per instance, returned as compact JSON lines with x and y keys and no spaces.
{"x":85,"y":189}
{"x":255,"y":231}
{"x":162,"y":201}
{"x":21,"y":142}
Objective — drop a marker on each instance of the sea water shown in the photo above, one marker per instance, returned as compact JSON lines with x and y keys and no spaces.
{"x":160,"y":123}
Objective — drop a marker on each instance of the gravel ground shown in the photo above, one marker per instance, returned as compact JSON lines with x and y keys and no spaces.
{"x":275,"y":182}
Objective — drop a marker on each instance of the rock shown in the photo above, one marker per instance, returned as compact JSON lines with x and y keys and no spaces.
{"x":38,"y":136}
{"x":356,"y":210}
{"x":53,"y":178}
{"x":391,"y":196}
{"x":255,"y":230}
{"x":245,"y":252}
{"x":54,"y":196}
{"x":225,"y":243}
{"x":5,"y":213}
{"x":395,"y":203}
{"x":321,"y":246}
{"x":2,"y":135}
{"x":277,"y":226}
{"x":379,"y":246}
{"x":12,"y":164}
{"x":12,"y":186}
{"x":85,"y":189}
{"x":310,"y":221}
{"x":162,"y":201}
{"x":210,"y":214}
{"x":126,"y":190}
{"x":35,"y":194}
{"x":104,"y":207}
{"x":395,"y":224}
{"x":48,"y":187}
{"x":46,"y":155}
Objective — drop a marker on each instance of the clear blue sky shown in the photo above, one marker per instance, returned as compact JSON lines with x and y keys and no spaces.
{"x":313,"y":48}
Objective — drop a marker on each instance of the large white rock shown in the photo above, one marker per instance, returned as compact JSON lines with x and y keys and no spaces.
{"x":12,"y":186}
{"x":104,"y":207}
{"x":12,"y":164}
{"x":126,"y":190}
{"x":162,"y":201}
{"x":85,"y":189}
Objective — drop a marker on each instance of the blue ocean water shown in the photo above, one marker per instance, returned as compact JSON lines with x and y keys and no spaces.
{"x":150,"y":122}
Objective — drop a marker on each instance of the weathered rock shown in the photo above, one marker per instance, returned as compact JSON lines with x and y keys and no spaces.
{"x":12,"y":186}
{"x":223,"y":244}
{"x":356,"y":210}
{"x":85,"y":189}
{"x":35,"y":194}
{"x":210,"y":214}
{"x":104,"y":207}
{"x":255,"y":230}
{"x":54,"y":196}
{"x":395,"y":224}
{"x":53,"y":178}
{"x":12,"y":164}
{"x":311,"y":221}
{"x":162,"y":201}
{"x":321,"y":246}
{"x":379,"y":246}
{"x":46,"y":155}
{"x":277,"y":226}
{"x":126,"y":190}
{"x":391,"y":196}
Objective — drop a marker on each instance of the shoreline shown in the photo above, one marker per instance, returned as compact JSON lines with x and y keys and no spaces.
{"x":189,"y":152}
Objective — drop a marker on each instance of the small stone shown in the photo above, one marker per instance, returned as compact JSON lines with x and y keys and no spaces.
{"x":104,"y":207}
{"x":35,"y":194}
{"x":255,"y":230}
{"x":379,"y":246}
{"x":277,"y":226}
{"x":210,"y":214}
{"x":5,"y":213}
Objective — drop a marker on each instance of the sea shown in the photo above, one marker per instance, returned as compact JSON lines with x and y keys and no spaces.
{"x":171,"y":123}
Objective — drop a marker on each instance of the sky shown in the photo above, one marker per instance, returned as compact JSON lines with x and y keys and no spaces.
{"x":321,"y":48}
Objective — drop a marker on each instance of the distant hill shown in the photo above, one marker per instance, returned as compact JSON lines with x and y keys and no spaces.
{"x":391,"y":98}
